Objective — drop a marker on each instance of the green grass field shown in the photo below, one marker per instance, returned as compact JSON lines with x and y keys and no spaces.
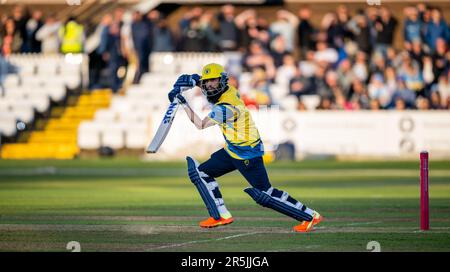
{"x":128,"y":205}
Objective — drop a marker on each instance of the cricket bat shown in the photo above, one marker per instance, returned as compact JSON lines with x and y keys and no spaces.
{"x":164,"y":127}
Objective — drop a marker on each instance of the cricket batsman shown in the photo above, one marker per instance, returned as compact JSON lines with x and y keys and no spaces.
{"x":243,"y":151}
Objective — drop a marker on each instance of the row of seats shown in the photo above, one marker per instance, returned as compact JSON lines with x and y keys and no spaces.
{"x":183,"y":63}
{"x":117,"y":135}
{"x":46,"y":65}
{"x":58,"y":139}
{"x":72,"y":81}
{"x":55,"y":92}
{"x":40,"y":80}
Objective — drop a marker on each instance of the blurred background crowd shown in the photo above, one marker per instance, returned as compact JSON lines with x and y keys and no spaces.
{"x":348,"y":60}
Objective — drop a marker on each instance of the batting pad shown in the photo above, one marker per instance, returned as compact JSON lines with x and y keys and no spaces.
{"x":280,"y":203}
{"x":207,"y":187}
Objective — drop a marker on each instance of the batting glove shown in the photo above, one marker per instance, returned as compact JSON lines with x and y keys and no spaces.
{"x":196,"y":78}
{"x":173,"y":93}
{"x":184,"y":81}
{"x":181,"y":99}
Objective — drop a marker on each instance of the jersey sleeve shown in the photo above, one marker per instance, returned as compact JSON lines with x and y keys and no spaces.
{"x":221,"y":114}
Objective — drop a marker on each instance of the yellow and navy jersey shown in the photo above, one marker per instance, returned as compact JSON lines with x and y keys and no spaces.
{"x":241,"y":135}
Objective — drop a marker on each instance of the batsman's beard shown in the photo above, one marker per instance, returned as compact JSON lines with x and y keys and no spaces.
{"x":214,"y":98}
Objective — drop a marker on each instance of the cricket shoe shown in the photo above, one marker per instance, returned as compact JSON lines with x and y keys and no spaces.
{"x":212,"y":223}
{"x":306,"y":226}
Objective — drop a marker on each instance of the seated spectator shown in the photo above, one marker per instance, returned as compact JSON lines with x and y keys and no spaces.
{"x":332,"y":81}
{"x":417,"y":52}
{"x":440,"y":58}
{"x":392,"y":58}
{"x":257,"y":57}
{"x":320,"y":86}
{"x":286,"y":71}
{"x":301,"y":106}
{"x":443,"y":88}
{"x":278,"y":50}
{"x":390,"y":77}
{"x":422,"y":103}
{"x":379,"y":91}
{"x":359,"y":95}
{"x":325,"y":54}
{"x":308,"y":66}
{"x":375,"y":105}
{"x":341,"y":103}
{"x":435,"y":101}
{"x":345,"y":76}
{"x":399,"y":104}
{"x":406,"y":95}
{"x":427,"y":71}
{"x":360,"y":69}
{"x":300,"y":85}
{"x":378,"y":63}
{"x":259,"y":92}
{"x":413,"y":76}
{"x":325,"y":104}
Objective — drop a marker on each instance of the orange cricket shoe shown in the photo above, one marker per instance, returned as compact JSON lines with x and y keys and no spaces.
{"x":306,"y":226}
{"x":212,"y":223}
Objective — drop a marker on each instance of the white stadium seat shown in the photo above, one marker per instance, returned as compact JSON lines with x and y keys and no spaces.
{"x":89,"y":135}
{"x":119,"y":104}
{"x":136,"y":135}
{"x":7,"y":128}
{"x":11,"y":81}
{"x":5,"y":105}
{"x":105,"y":116}
{"x":25,"y":115}
{"x":139,"y":116}
{"x":7,"y":123}
{"x":113,"y":135}
{"x":278,"y":92}
{"x":311,"y":101}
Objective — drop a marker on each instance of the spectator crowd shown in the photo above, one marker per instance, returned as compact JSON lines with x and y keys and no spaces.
{"x":348,"y":61}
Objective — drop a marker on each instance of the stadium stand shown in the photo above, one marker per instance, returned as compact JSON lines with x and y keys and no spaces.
{"x":352,"y":57}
